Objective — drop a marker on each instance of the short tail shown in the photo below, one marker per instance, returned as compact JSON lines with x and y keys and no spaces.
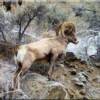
{"x":15,"y":50}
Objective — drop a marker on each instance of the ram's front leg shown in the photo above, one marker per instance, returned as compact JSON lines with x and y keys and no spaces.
{"x":52,"y":65}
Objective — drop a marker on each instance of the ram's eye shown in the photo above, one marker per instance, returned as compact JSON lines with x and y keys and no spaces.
{"x":66,"y":31}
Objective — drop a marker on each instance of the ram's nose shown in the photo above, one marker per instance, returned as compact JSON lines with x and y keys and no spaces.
{"x":75,"y":41}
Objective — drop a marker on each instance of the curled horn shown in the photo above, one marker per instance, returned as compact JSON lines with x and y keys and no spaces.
{"x":59,"y":30}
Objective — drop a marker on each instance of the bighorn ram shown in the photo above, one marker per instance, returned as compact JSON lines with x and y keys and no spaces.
{"x":52,"y":47}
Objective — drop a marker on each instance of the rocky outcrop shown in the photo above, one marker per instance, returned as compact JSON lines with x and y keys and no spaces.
{"x":72,"y":79}
{"x":37,"y":86}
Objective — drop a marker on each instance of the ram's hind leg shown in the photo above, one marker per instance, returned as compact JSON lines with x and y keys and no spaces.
{"x":27,"y":62}
{"x":16,"y":76}
{"x":22,"y":69}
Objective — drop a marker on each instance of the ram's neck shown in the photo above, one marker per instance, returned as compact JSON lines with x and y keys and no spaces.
{"x":62,"y":40}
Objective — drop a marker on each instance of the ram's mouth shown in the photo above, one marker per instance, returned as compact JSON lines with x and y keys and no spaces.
{"x":75,"y":42}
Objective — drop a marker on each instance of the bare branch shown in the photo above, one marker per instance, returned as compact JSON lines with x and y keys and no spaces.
{"x":4,"y":37}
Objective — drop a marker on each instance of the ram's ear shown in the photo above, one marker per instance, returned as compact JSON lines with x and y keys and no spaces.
{"x":58,"y":28}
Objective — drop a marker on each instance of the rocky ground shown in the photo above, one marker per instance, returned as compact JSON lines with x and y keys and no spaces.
{"x":72,"y":79}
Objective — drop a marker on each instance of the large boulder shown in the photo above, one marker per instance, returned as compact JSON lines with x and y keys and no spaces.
{"x":37,"y":86}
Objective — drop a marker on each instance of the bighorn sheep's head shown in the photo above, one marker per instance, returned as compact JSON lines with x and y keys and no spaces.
{"x":67,"y":30}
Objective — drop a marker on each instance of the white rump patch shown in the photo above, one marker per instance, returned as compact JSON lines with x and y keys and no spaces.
{"x":21,"y":53}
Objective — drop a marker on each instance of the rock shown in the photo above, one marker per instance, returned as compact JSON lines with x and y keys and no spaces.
{"x":78,"y":82}
{"x":66,"y":63}
{"x":73,"y":66}
{"x":82,"y":77}
{"x":74,"y":93}
{"x":73,"y":72}
{"x":93,"y":93}
{"x":19,"y":94}
{"x":83,"y":62}
{"x":61,"y":65}
{"x":70,"y":56}
{"x":96,"y":79}
{"x":37,"y":86}
{"x":83,"y":92}
{"x":95,"y":59}
{"x":6,"y":72}
{"x":85,"y":98}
